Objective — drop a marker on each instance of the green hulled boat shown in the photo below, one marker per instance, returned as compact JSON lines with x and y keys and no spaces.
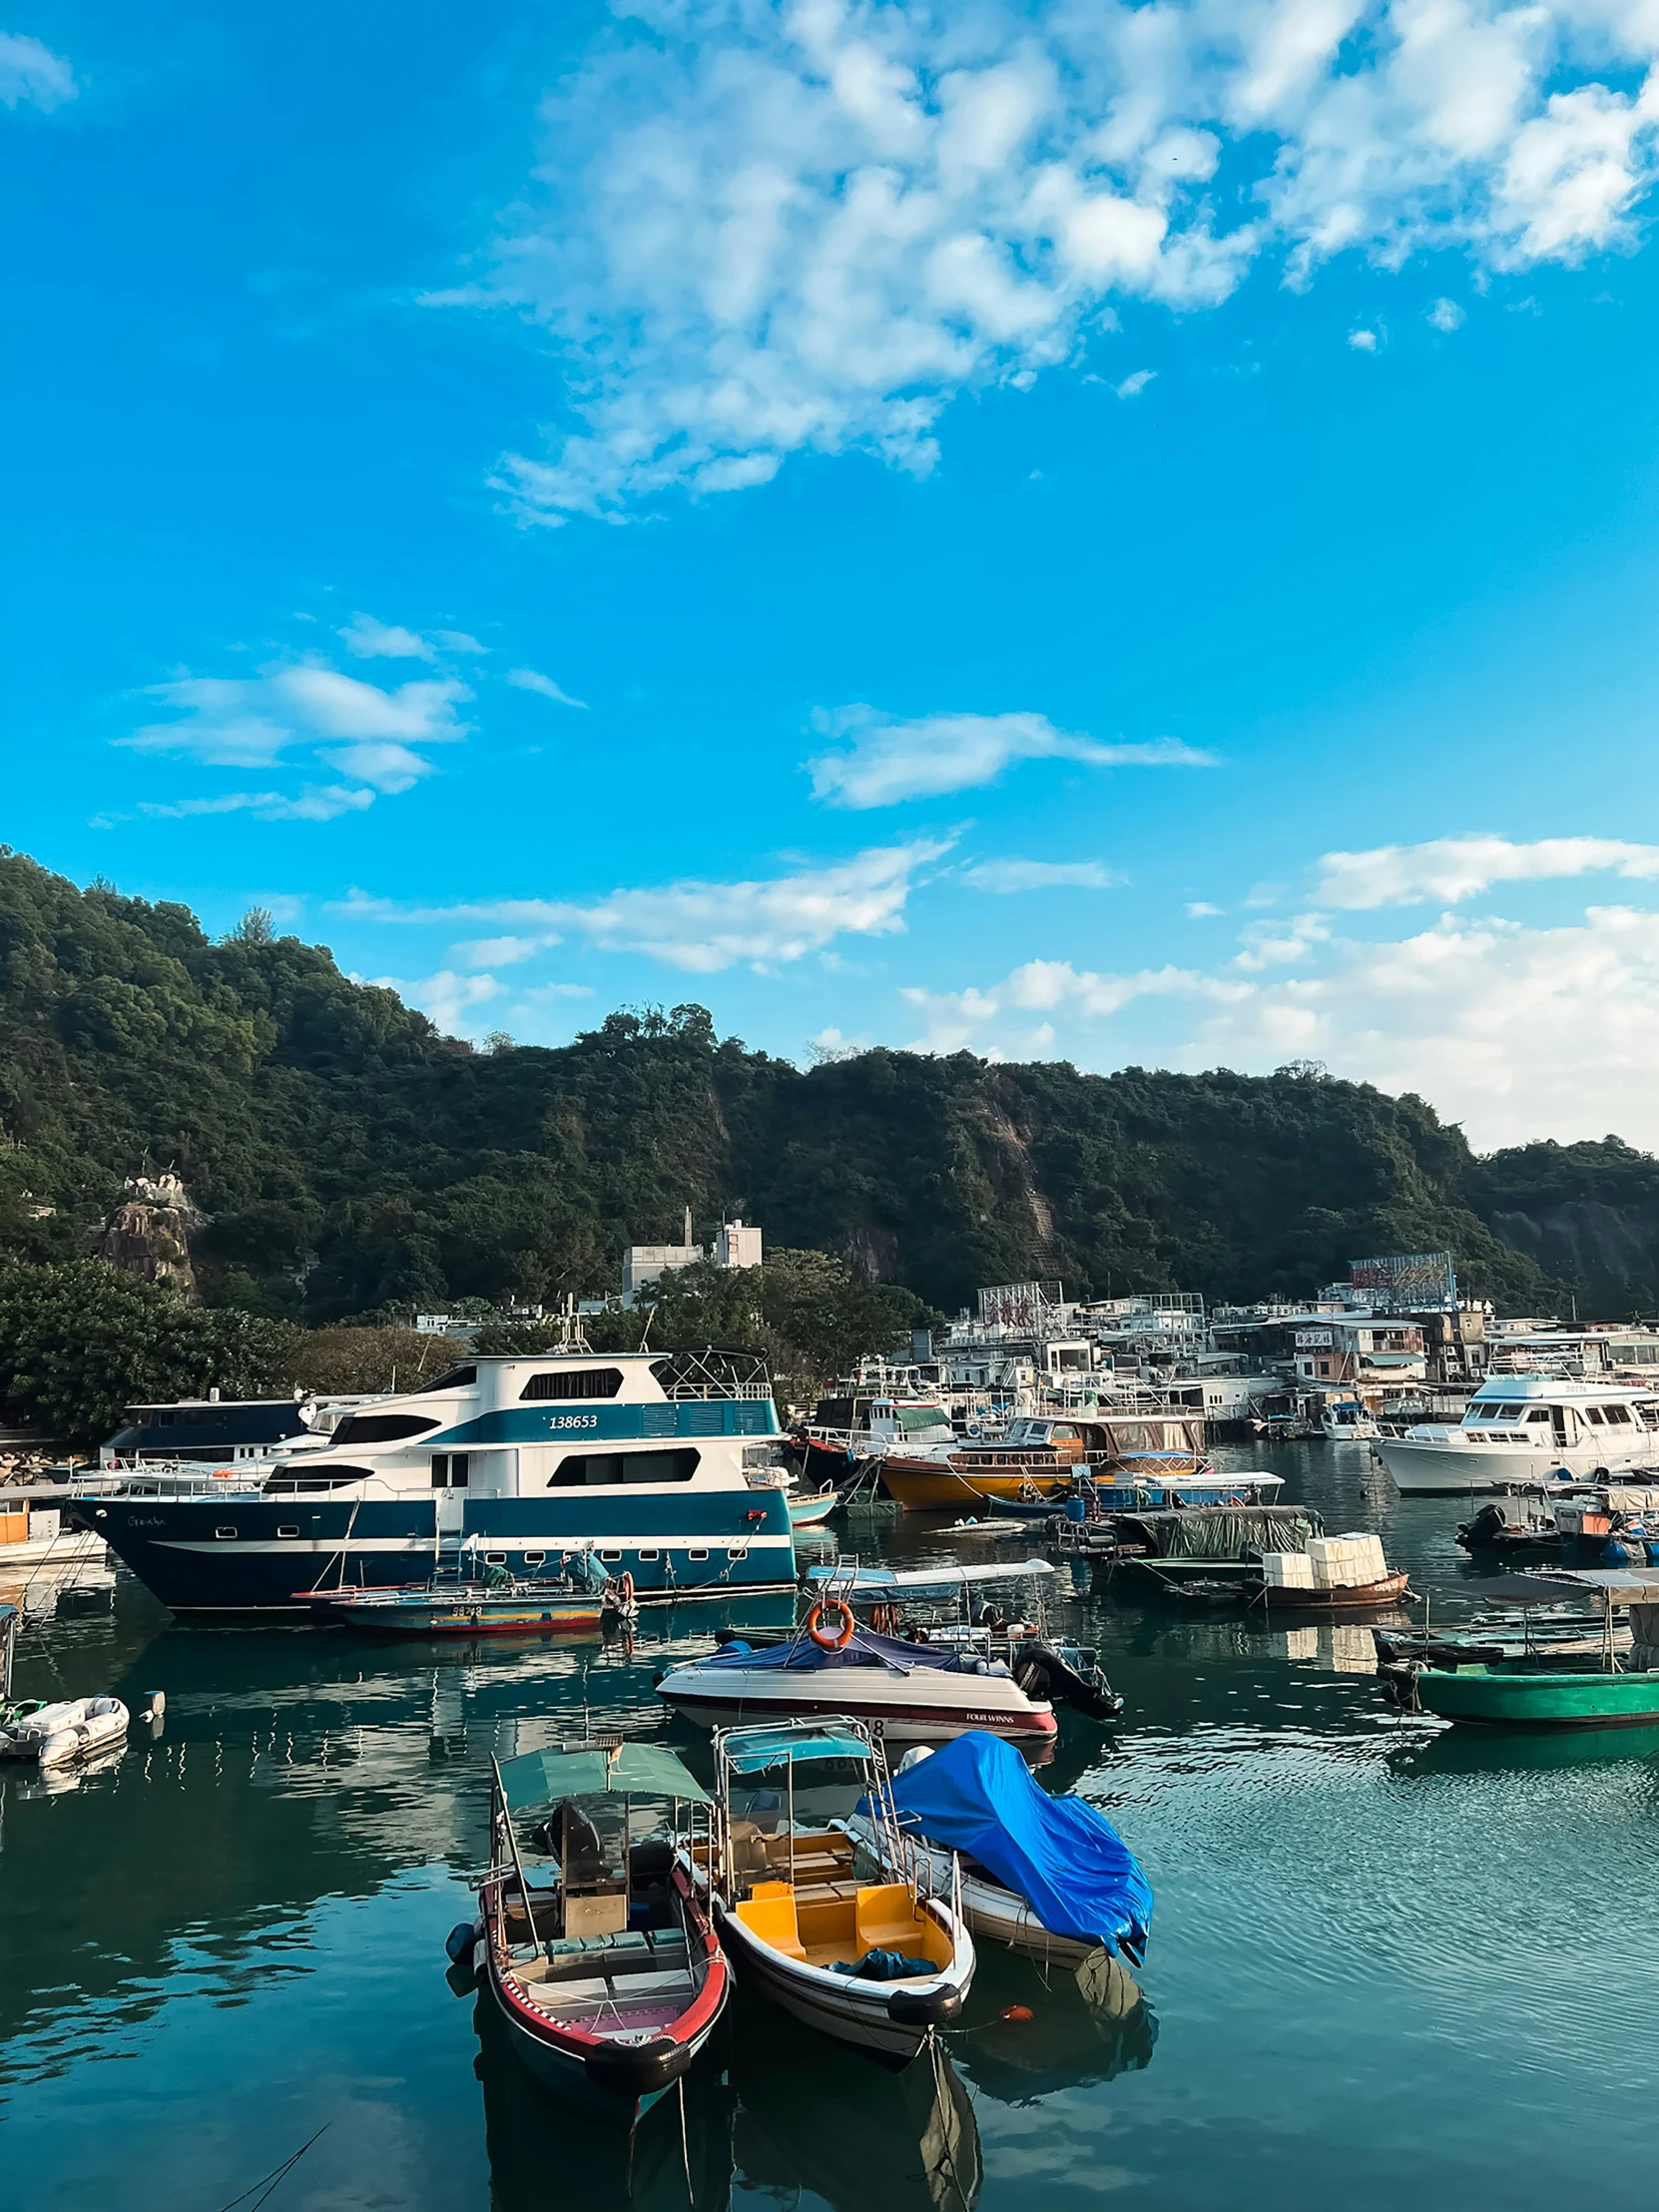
{"x":1524,"y":1697}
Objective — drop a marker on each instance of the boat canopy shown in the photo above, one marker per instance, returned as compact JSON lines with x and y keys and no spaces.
{"x":758,"y":1753}
{"x":866,"y":1650}
{"x":977,"y":1795}
{"x":1571,"y":1585}
{"x":641,"y":1769}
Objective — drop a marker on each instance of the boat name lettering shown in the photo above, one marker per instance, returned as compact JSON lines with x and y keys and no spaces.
{"x":153,"y":1520}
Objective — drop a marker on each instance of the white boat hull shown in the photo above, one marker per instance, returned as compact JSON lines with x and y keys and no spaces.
{"x":930,"y":1706}
{"x":856,"y":2011}
{"x":1450,"y":1469}
{"x":70,"y":1548}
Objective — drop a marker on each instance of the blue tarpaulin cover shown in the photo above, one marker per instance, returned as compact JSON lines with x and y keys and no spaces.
{"x":1071,"y":1864}
{"x":866,"y":1650}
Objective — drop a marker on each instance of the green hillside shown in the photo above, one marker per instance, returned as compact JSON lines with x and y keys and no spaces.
{"x":348,"y":1157}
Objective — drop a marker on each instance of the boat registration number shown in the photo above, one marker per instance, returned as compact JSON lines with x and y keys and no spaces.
{"x":558,"y":1423}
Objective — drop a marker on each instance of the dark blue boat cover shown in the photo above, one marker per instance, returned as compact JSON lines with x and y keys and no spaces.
{"x":866,"y":1650}
{"x":1071,"y":1864}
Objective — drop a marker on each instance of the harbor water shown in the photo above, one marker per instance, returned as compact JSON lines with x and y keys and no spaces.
{"x":1390,"y":1963}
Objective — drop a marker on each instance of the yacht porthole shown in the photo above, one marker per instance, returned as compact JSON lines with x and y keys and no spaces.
{"x":291,"y":1530}
{"x":225,"y":1532}
{"x":610,"y":1555}
{"x":534,"y":1558}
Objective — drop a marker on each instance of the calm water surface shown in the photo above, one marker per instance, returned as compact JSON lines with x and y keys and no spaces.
{"x":1389,"y":1967}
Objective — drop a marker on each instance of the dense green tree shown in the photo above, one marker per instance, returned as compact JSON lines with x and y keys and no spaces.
{"x":349,"y":1159}
{"x":79,"y":1342}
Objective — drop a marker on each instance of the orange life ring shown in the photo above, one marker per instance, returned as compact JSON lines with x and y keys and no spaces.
{"x":625,"y":1590}
{"x":830,"y":1639}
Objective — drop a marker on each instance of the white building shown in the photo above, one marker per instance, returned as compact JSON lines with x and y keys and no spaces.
{"x":738,"y":1245}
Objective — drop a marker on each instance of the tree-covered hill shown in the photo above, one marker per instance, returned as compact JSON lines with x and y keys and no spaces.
{"x":348,"y":1157}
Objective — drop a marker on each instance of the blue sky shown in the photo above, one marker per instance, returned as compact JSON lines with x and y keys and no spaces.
{"x":1115,"y":534}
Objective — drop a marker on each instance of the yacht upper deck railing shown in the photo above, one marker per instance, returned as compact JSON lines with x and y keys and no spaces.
{"x":712,"y":1373}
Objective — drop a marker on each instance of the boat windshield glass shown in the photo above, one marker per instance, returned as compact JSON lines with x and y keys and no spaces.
{"x":825,"y":1789}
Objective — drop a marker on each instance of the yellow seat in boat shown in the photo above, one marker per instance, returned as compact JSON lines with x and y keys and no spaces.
{"x":769,"y":1913}
{"x":888,"y":1918}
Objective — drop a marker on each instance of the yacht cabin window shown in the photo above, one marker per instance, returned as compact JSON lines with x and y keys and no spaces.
{"x":573,"y":1383}
{"x":449,"y":1470}
{"x":605,"y":1469}
{"x":1592,"y":1413}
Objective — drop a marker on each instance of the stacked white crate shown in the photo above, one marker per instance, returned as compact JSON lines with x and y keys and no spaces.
{"x":1346,"y":1562}
{"x":1287,"y":1570}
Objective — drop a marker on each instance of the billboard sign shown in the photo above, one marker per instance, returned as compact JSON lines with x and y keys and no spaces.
{"x":1022,"y":1307}
{"x":1312,"y":1340}
{"x":1407,"y":1281}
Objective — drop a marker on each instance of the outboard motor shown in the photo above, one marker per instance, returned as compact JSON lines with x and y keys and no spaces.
{"x":1042,"y":1672}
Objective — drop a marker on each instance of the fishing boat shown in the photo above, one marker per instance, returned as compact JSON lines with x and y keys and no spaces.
{"x":811,"y":1509}
{"x":917,"y":1693}
{"x":1332,"y":1574}
{"x":1532,"y":1697}
{"x":65,"y":1732}
{"x":880,"y":1964}
{"x":1536,"y":1691}
{"x":1145,"y":1460}
{"x":513,"y":1608}
{"x":857,"y":1424}
{"x":593,"y":1942}
{"x":1043,"y":1875}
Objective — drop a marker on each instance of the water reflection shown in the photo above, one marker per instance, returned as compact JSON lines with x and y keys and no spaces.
{"x":1085,"y":2026}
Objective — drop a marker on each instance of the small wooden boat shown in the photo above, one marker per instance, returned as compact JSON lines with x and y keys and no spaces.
{"x":882,"y":1965}
{"x":810,"y":1507}
{"x":1526,"y":1697}
{"x":1355,"y":1598}
{"x":65,"y":1732}
{"x":1046,"y":1875}
{"x":516,"y":1608}
{"x":595,"y":1946}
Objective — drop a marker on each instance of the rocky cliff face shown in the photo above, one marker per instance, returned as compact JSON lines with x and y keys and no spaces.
{"x":147,"y":1234}
{"x":1610,"y":1249}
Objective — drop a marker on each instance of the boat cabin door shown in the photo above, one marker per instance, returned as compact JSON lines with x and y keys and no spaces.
{"x":1563,"y":1426}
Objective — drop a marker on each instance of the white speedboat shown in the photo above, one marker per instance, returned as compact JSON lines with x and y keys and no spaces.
{"x":1348,"y":1420}
{"x":882,"y":1964}
{"x":917,"y":1693}
{"x":1528,"y":1430}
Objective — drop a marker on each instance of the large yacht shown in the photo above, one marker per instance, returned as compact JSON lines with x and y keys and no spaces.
{"x":646,"y":1460}
{"x":1529,"y":1429}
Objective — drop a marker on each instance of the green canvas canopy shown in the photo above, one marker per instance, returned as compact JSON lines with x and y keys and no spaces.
{"x":638,"y":1770}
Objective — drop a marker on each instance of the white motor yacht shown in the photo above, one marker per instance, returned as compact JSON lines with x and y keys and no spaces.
{"x":1529,"y":1429}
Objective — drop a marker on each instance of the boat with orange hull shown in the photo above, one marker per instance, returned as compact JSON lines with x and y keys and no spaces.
{"x":1043,"y":1459}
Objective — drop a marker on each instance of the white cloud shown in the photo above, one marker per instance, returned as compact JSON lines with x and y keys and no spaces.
{"x":1448,"y":869}
{"x":485,"y":952}
{"x":886,"y":760}
{"x":702,"y":927}
{"x":531,"y":679}
{"x":1513,"y":1031}
{"x":1200,"y":910}
{"x":1041,"y":876}
{"x":447,"y":998}
{"x":545,"y":994}
{"x":32,"y":75}
{"x":1133,"y":386}
{"x":356,"y":729}
{"x":1446,"y":314}
{"x":313,"y":805}
{"x":759,"y":229}
{"x":1363,"y":342}
{"x":458,"y":641}
{"x":998,"y":1021}
{"x":371,"y":639}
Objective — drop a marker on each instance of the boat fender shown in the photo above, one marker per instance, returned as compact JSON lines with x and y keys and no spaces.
{"x":829,"y":1638}
{"x":1616,"y":1556}
{"x":936,"y":2008}
{"x":460,"y":1939}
